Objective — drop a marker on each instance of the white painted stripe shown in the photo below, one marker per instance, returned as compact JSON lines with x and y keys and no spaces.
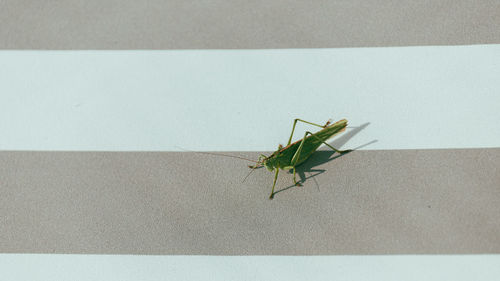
{"x":413,"y":97}
{"x":122,"y":267}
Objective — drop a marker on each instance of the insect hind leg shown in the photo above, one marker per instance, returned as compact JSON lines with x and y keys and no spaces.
{"x":304,"y":121}
{"x":325,"y":143}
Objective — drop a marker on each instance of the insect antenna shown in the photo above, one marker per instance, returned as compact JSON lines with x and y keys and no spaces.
{"x":219,"y":154}
{"x":257,"y":163}
{"x":253,"y":168}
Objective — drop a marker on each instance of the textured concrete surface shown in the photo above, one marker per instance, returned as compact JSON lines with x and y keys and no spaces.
{"x":365,"y":202}
{"x":180,"y":24}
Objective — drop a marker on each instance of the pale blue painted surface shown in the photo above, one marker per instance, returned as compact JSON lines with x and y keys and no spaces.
{"x":413,"y":97}
{"x":14,"y":267}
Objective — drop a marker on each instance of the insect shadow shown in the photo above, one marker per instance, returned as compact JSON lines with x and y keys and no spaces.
{"x":324,"y":156}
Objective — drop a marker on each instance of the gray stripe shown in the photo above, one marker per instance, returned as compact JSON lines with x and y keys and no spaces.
{"x":365,"y":202}
{"x":184,"y":24}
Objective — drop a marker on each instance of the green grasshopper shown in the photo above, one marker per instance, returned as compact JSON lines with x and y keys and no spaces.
{"x":294,"y":154}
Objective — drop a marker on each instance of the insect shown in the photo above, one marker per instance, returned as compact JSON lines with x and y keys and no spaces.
{"x":294,"y":154}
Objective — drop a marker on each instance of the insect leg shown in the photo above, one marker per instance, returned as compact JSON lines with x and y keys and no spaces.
{"x":274,"y":183}
{"x":294,"y":179}
{"x":295,"y":157}
{"x":336,"y":150}
{"x":295,"y":123}
{"x":259,"y":162}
